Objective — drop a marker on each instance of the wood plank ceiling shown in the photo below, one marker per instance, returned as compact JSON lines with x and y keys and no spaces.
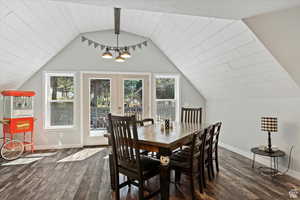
{"x":222,"y":58}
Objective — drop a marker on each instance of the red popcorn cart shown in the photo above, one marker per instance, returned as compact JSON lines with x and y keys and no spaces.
{"x":18,"y":116}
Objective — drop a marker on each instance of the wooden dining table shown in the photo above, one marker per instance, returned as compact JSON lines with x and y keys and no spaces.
{"x":154,"y":138}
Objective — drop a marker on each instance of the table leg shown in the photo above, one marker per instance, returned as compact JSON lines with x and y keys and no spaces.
{"x":165,"y":173}
{"x":253,"y":160}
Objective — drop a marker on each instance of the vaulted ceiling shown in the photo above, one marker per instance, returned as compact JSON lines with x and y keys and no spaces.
{"x":230,"y":9}
{"x":221,"y":57}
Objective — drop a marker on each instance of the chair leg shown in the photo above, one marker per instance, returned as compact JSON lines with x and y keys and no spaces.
{"x":200,"y":181}
{"x":141,"y":190}
{"x":217,"y":160}
{"x":209,"y":170}
{"x":112,"y":172}
{"x":212,"y":168}
{"x":117,"y":185}
{"x":203,"y":176}
{"x":177,"y":176}
{"x":192,"y":187}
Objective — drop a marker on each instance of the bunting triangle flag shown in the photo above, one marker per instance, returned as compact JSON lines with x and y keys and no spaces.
{"x":83,"y":38}
{"x":140,"y":46}
{"x":96,"y":44}
{"x":145,"y":43}
{"x":90,"y":42}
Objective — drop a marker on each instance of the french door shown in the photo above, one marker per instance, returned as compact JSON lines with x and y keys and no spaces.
{"x":119,"y":94}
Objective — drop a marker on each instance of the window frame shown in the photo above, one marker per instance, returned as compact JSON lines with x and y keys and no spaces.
{"x":176,"y":96}
{"x":48,"y":100}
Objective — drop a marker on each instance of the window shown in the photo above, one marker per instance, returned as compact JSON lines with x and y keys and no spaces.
{"x":60,"y":100}
{"x":166,"y":97}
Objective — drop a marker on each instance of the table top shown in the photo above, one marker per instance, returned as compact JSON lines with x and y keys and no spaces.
{"x":180,"y":134}
{"x":277,"y":153}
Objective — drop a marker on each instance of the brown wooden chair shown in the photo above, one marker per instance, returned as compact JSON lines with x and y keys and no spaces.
{"x":190,"y":161}
{"x":126,"y":156}
{"x":214,"y":147}
{"x":191,"y":115}
{"x":208,"y":153}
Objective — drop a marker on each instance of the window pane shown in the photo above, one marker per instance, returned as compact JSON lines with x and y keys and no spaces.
{"x":165,"y":88}
{"x":165,"y":110}
{"x":61,"y":88}
{"x":61,"y":113}
{"x":100,"y":105}
{"x":133,"y":98}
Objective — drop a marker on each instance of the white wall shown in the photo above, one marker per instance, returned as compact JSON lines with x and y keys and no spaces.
{"x":78,"y":57}
{"x":279,"y":32}
{"x":241,"y":125}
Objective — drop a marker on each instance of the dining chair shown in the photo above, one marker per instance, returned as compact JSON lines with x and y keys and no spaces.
{"x":127,"y":159}
{"x":190,"y":161}
{"x":208,"y":153}
{"x":214,"y":147}
{"x":191,"y":115}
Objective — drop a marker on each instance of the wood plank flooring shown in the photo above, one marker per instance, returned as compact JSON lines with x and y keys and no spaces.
{"x":84,"y":175}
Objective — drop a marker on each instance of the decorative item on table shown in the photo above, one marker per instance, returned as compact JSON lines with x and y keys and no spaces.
{"x":167,"y":124}
{"x":269,"y":124}
{"x":162,"y":126}
{"x":18,"y":114}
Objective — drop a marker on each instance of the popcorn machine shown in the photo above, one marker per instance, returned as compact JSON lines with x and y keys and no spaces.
{"x":18,"y":115}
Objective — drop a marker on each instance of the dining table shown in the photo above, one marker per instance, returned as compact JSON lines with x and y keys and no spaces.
{"x":156,"y":138}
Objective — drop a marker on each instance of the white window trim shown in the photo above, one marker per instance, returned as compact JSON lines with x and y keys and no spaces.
{"x":177,"y":93}
{"x":48,"y":101}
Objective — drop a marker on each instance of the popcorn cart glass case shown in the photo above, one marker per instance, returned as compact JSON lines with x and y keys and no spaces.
{"x":18,"y":115}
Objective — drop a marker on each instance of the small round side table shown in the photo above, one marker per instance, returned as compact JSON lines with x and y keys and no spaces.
{"x":273,"y":169}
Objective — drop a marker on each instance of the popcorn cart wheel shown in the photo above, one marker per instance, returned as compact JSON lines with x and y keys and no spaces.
{"x":11,"y":149}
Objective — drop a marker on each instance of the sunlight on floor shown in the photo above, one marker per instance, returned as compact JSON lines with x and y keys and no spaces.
{"x":30,"y":158}
{"x":21,"y":161}
{"x":81,"y":155}
{"x":35,"y":155}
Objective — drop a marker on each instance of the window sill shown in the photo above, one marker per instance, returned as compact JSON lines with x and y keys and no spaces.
{"x":60,"y":127}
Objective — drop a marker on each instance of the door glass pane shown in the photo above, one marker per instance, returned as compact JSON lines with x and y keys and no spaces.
{"x":99,"y":105}
{"x":133,"y":98}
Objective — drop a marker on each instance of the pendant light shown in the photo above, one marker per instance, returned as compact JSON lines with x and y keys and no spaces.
{"x":107,"y":54}
{"x":125,"y":53}
{"x":119,"y":58}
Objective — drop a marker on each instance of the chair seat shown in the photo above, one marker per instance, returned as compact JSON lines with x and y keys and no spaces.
{"x":180,"y":159}
{"x":149,"y":163}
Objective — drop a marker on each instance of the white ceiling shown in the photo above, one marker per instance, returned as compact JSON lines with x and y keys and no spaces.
{"x":222,"y":58}
{"x":230,"y":9}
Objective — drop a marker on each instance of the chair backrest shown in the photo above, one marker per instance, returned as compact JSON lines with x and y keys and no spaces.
{"x":197,"y":146}
{"x":191,"y":115}
{"x":208,"y":139}
{"x":216,"y":133}
{"x":124,"y":139}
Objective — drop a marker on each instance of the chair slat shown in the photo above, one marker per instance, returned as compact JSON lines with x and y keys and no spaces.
{"x":191,"y":115}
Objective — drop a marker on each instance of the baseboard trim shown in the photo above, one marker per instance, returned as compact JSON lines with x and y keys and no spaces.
{"x":64,"y":146}
{"x":258,"y":159}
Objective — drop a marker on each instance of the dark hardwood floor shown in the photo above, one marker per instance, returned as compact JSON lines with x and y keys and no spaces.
{"x":84,"y":174}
